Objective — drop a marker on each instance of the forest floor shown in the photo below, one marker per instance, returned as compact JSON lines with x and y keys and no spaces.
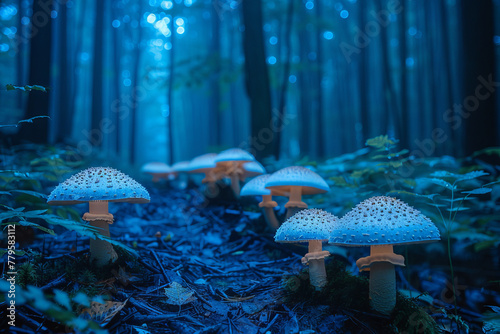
{"x":216,"y":269}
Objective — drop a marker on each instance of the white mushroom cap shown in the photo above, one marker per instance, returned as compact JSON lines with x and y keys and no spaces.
{"x":234,"y":154}
{"x":255,"y":187}
{"x":156,"y":168}
{"x":253,"y":168}
{"x":181,"y":166}
{"x":202,"y":163}
{"x":307,"y":225}
{"x":383,"y":220}
{"x":310,"y":182}
{"x":98,"y":184}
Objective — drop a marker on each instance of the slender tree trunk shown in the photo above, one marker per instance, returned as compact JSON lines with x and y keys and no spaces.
{"x":364,"y":81}
{"x":170,"y":92}
{"x":64,"y":112}
{"x":453,"y":146}
{"x":116,"y":85}
{"x":97,"y":74}
{"x":257,"y":78}
{"x":135,"y":87}
{"x":479,"y":60}
{"x":39,"y":72}
{"x":404,"y":124}
{"x":215,"y":119}
{"x":318,"y":98}
{"x":287,"y":44}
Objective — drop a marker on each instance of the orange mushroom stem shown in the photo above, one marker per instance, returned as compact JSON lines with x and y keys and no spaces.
{"x":99,"y":217}
{"x":267,"y":206}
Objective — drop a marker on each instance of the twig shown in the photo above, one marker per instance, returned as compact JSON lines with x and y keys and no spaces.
{"x":161,"y":266}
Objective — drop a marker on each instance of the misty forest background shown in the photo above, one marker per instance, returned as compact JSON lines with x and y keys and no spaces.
{"x":138,"y":80}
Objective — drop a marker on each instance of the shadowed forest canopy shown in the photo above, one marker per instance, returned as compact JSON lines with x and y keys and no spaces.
{"x":139,"y":80}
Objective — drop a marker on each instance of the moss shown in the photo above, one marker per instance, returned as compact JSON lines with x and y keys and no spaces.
{"x":346,"y":293}
{"x":409,"y":317}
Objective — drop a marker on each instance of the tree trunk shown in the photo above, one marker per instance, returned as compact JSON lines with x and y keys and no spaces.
{"x":287,"y":44}
{"x":64,"y":111}
{"x":215,"y":119}
{"x":135,"y":87}
{"x":39,"y":72}
{"x":97,"y":75}
{"x":170,"y":92}
{"x":318,"y":97}
{"x":257,"y":79}
{"x":116,"y":84}
{"x":404,"y":124}
{"x":479,"y":60}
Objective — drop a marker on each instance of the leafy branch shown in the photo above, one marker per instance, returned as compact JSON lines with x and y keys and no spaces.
{"x":27,"y":88}
{"x":29,"y":120}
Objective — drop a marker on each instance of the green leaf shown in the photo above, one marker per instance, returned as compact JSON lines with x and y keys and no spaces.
{"x":404,"y":192}
{"x":478,"y":191}
{"x":380,"y":142}
{"x":472,"y":175}
{"x":31,"y":193}
{"x":440,"y":182}
{"x":459,"y":208}
{"x":444,"y":173}
{"x":34,"y":225}
{"x":482,"y":245}
{"x":62,"y":298}
{"x":26,"y":88}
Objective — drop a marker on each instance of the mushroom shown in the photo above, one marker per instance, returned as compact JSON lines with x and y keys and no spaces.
{"x":206,"y":164}
{"x":381,"y":222}
{"x":255,"y":187}
{"x":231,"y":161}
{"x":158,"y":170}
{"x":313,"y":226}
{"x":98,"y":186}
{"x":297,"y":181}
{"x":251,"y":169}
{"x":181,"y":167}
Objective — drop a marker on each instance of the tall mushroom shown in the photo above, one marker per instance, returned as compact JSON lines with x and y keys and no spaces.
{"x":313,"y":226}
{"x":255,"y":187}
{"x":381,"y":222}
{"x":231,"y":161}
{"x":297,"y":181}
{"x":98,"y":186}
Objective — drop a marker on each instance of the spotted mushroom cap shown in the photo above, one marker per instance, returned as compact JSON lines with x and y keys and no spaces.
{"x":307,"y":225}
{"x":98,"y":184}
{"x":234,"y":154}
{"x":310,"y":182}
{"x":383,"y":220}
{"x":181,"y":166}
{"x":202,"y":163}
{"x":255,"y":187}
{"x":156,"y":168}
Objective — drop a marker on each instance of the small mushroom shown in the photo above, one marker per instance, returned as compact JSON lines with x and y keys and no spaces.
{"x":231,"y":161}
{"x":158,"y":170}
{"x":205,"y":164}
{"x":381,"y":222}
{"x":255,"y":187}
{"x":98,"y":186}
{"x":297,"y":181}
{"x":313,"y":226}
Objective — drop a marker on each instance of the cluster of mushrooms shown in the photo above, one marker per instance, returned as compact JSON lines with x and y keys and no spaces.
{"x":379,"y":222}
